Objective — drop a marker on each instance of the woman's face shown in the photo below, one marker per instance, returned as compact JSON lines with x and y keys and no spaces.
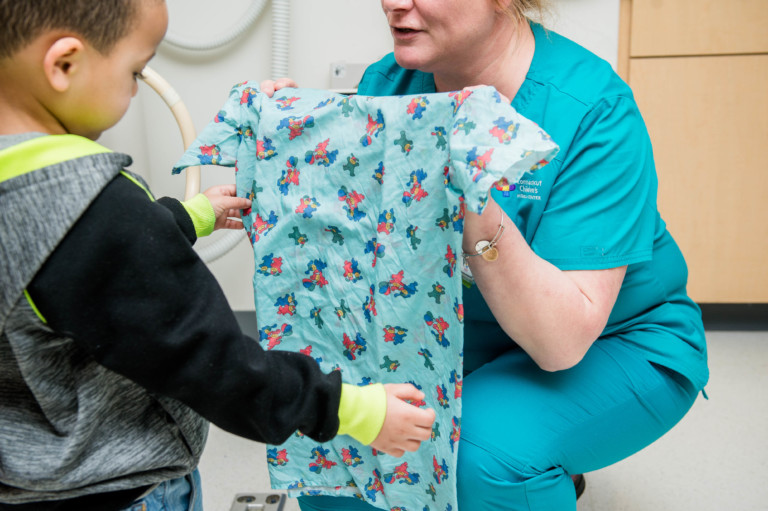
{"x":439,"y":35}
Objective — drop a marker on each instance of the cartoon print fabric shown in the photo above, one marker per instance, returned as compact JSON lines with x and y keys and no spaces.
{"x":356,"y":226}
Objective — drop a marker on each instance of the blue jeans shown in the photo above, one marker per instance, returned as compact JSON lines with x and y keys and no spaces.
{"x":182,"y":494}
{"x":525,"y":430}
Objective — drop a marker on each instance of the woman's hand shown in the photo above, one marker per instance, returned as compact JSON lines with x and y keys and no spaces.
{"x":226,"y":206}
{"x":269,"y":87}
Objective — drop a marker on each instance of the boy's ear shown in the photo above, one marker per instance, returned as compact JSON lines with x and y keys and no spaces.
{"x":62,"y":60}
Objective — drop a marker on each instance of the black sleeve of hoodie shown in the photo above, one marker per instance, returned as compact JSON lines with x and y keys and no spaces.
{"x":180,"y":215}
{"x":127,"y":286}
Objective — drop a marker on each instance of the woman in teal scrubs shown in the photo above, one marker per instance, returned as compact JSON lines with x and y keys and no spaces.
{"x":581,"y":344}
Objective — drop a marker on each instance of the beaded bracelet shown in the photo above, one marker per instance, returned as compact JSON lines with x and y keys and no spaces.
{"x":486,"y":248}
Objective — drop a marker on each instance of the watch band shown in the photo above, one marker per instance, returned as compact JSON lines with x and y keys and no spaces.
{"x":487,"y":249}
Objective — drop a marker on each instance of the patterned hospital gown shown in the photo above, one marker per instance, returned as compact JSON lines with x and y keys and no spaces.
{"x":356,"y":227}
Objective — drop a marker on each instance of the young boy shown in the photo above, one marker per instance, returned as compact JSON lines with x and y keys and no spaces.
{"x":116,"y":343}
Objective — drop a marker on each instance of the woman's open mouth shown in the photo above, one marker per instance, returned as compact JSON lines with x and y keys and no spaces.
{"x":404,"y":32}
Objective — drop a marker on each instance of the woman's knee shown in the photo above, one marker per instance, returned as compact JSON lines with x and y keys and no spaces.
{"x":491,"y":481}
{"x":478,"y":468}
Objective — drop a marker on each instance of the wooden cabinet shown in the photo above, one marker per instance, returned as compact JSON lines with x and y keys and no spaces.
{"x":698,"y":27}
{"x":699,"y":71}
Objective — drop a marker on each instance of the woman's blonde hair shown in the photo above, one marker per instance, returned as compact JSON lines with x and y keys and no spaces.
{"x":524,"y":9}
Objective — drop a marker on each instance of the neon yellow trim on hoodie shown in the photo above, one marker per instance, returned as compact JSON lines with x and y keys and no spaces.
{"x":201,"y":212}
{"x":45,"y":151}
{"x":362,"y":411}
{"x":34,"y":307}
{"x":137,"y":183}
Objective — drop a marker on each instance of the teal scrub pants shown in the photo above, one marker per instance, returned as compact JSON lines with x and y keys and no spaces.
{"x":525,"y":430}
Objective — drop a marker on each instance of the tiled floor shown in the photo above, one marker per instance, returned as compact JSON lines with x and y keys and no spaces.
{"x":716,"y":459}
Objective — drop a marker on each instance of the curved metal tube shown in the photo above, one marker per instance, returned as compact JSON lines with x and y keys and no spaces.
{"x":183,"y":119}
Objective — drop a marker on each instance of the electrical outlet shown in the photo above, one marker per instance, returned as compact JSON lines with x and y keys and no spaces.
{"x":258,"y":502}
{"x":345,"y":76}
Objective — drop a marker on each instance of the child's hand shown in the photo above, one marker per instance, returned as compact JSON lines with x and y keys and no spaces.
{"x":269,"y":87}
{"x":405,"y":425}
{"x":226,"y":206}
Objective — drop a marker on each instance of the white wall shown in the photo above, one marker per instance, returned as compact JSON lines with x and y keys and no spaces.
{"x":322,"y":32}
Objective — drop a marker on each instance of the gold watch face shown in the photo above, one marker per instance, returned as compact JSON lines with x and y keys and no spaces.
{"x":491,"y":254}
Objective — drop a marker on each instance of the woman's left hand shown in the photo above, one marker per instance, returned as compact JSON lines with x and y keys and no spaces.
{"x":269,"y":87}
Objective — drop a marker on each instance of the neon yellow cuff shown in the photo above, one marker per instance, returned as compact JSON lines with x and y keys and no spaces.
{"x":362,"y":411}
{"x":201,"y":212}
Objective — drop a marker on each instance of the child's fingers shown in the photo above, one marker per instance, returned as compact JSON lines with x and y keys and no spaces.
{"x":423,"y":418}
{"x":230,"y":190}
{"x":423,"y":433}
{"x":397,"y":453}
{"x":233,"y":224}
{"x":421,"y":430}
{"x":428,"y":418}
{"x":422,"y":421}
{"x":401,"y":445}
{"x":406,"y":425}
{"x":227,"y":190}
{"x":412,"y":445}
{"x":229,"y":203}
{"x":406,"y":391}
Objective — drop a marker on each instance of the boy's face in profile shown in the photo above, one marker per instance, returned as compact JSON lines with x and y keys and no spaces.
{"x":108,"y":82}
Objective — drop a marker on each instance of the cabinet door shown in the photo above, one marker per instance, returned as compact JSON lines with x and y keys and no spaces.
{"x":708,"y":120}
{"x":698,"y":27}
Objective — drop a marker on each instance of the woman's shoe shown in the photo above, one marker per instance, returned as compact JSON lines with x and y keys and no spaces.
{"x":579,"y":483}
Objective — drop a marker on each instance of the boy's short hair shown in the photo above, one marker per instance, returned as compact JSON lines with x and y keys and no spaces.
{"x":102,"y":23}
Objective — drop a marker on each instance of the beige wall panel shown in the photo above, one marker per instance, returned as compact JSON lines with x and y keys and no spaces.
{"x":625,"y":38}
{"x":708,"y":119}
{"x":698,"y":27}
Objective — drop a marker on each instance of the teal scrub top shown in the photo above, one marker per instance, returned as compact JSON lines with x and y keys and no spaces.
{"x":593,"y":207}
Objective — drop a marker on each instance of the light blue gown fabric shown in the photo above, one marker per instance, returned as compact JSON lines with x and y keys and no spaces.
{"x":356,"y":226}
{"x":593,"y":207}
